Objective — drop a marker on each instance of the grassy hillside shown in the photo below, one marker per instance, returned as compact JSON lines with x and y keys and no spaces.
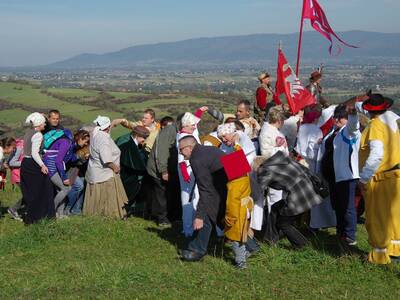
{"x":85,"y":258}
{"x":79,"y":106}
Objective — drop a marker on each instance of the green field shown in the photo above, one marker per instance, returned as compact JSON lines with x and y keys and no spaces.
{"x":83,"y":114}
{"x":13,"y":117}
{"x":95,"y":258}
{"x":73,"y":93}
{"x":26,"y":95}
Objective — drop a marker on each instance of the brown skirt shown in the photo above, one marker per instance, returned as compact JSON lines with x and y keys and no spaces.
{"x":105,"y":199}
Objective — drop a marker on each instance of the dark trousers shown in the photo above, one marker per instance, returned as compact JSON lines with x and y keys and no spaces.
{"x":199,"y":242}
{"x":159,"y":200}
{"x":343,"y":202}
{"x":286,"y":225}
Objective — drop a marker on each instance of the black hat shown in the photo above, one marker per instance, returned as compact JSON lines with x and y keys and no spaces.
{"x":377,"y":102}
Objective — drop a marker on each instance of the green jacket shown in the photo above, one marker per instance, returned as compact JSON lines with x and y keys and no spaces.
{"x":133,"y":165}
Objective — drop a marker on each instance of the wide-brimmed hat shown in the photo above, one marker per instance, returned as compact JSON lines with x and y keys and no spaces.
{"x":263,"y":75}
{"x":377,"y":102}
{"x":141,"y":131}
{"x":315,"y":76}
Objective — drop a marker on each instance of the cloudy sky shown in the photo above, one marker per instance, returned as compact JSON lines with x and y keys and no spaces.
{"x":42,"y":31}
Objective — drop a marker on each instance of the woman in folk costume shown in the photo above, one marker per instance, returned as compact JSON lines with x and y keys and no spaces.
{"x":272,"y":140}
{"x":105,"y":194}
{"x":380,"y":178}
{"x":239,"y":204}
{"x":189,"y":190}
{"x":37,"y":189}
{"x":309,"y":140}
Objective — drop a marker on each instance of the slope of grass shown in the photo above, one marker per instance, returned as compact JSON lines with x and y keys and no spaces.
{"x":157,"y":102}
{"x":73,"y":93}
{"x":125,"y":95}
{"x":84,"y":257}
{"x":13,"y":117}
{"x":24,"y":94}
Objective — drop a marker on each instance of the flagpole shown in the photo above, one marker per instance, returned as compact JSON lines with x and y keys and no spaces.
{"x":300,"y":38}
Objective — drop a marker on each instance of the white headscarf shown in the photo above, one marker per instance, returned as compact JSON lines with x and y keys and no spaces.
{"x":227,"y":128}
{"x":102,"y":122}
{"x":35,"y":119}
{"x":189,"y":119}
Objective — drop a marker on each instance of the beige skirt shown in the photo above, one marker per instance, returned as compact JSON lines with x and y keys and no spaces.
{"x":106,"y":198}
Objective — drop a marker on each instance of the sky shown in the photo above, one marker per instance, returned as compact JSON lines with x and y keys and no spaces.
{"x":34,"y":32}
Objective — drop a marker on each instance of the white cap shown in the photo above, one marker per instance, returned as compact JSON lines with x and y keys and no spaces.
{"x":102,"y":122}
{"x":35,"y":119}
{"x":227,"y":128}
{"x":189,"y":119}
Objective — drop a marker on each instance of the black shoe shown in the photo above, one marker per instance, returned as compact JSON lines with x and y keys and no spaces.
{"x":395,"y":259}
{"x":164,"y":224}
{"x":192,"y":256}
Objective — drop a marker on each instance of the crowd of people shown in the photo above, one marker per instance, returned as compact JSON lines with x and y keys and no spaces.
{"x":251,"y":179}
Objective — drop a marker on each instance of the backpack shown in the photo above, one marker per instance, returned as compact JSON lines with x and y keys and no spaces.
{"x":51,"y":136}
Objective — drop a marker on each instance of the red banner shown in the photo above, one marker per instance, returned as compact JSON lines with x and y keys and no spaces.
{"x":288,"y":84}
{"x":313,"y":11}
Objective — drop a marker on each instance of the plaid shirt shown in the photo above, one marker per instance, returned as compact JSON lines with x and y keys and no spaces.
{"x":282,"y":173}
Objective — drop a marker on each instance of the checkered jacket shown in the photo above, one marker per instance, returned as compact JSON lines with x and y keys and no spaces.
{"x":282,"y":173}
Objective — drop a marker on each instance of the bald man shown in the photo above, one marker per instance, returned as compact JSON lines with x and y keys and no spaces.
{"x":211,"y":181}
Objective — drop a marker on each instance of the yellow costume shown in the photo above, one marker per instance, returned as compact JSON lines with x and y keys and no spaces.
{"x":239,"y":205}
{"x":382,"y":197}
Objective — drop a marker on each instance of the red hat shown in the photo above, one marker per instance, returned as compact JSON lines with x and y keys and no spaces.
{"x":377,"y":102}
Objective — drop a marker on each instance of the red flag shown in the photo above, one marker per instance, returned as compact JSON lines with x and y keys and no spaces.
{"x":287,"y":83}
{"x":313,"y":11}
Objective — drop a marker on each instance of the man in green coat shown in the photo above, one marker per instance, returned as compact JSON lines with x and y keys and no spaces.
{"x":133,"y":161}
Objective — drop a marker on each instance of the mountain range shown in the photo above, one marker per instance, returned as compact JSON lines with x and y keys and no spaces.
{"x":374,"y":47}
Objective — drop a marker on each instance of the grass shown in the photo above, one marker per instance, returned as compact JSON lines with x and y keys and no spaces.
{"x":24,"y":94}
{"x":84,"y":258}
{"x":125,"y":95}
{"x":158,"y":102}
{"x":73,"y":93}
{"x":13,"y":117}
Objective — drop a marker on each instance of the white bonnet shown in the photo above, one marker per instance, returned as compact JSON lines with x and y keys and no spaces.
{"x":35,"y":119}
{"x":227,"y":128}
{"x":102,"y":122}
{"x":189,"y":119}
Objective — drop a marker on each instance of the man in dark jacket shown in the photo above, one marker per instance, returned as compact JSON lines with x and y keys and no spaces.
{"x":211,"y":181}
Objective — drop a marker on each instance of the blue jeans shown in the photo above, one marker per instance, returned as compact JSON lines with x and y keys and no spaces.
{"x":201,"y":237}
{"x":342,"y":197}
{"x":75,"y":197}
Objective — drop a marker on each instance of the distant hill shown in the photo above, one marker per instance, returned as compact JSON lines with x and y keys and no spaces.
{"x":246,"y":49}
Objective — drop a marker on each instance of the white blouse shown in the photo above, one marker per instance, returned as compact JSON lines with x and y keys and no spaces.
{"x":103,"y":150}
